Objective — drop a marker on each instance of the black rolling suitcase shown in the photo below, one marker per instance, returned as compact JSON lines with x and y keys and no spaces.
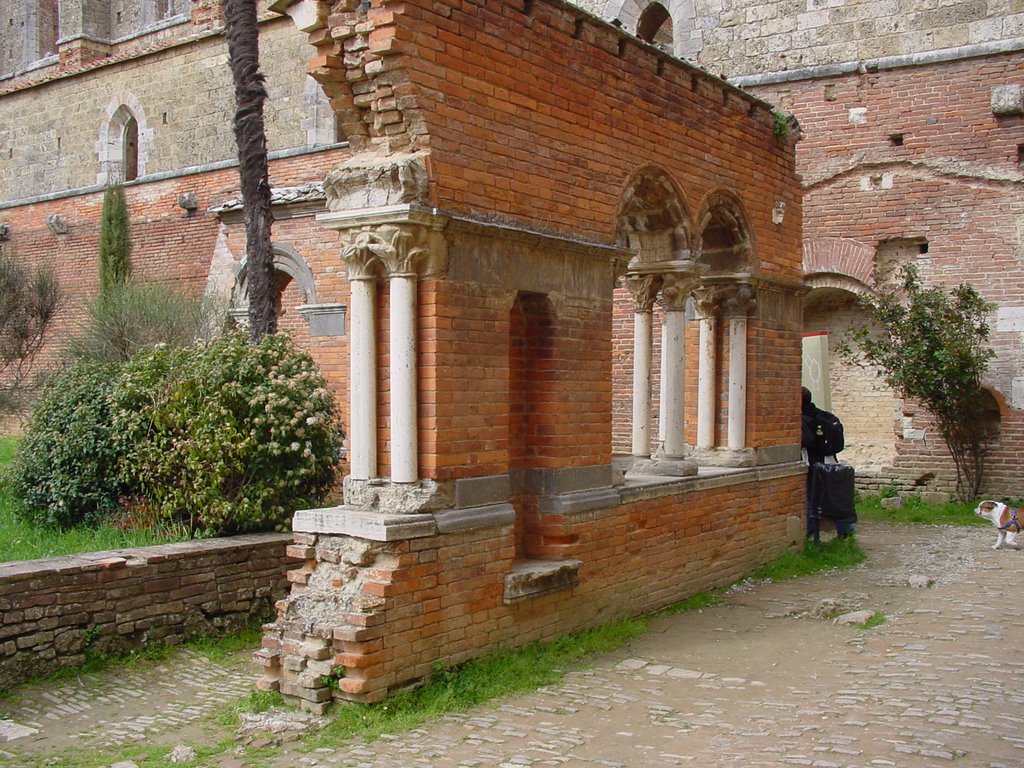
{"x":832,"y":497}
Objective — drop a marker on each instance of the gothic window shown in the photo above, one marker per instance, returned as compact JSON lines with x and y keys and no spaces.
{"x":47,"y":28}
{"x":130,"y":149}
{"x":321,"y":122}
{"x":124,"y":139}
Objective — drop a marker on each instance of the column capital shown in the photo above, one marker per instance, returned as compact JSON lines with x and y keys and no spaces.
{"x":644,"y":290}
{"x":393,"y":249}
{"x":708,"y":300}
{"x":739,"y":300}
{"x":676,"y":288}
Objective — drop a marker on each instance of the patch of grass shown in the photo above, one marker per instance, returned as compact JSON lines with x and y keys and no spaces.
{"x":914,"y":510}
{"x":876,"y":619}
{"x":21,"y":541}
{"x":813,"y":558}
{"x":477,"y":681}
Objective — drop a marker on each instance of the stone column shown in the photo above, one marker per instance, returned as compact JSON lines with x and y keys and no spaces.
{"x":707,"y":364}
{"x":362,"y":433}
{"x":675,"y":291}
{"x":738,"y":306}
{"x":401,"y":261}
{"x":643,"y":288}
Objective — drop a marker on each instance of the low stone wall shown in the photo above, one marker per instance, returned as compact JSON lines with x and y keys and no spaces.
{"x":53,"y":612}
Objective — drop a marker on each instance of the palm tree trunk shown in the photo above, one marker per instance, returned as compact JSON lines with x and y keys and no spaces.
{"x":242,"y":33}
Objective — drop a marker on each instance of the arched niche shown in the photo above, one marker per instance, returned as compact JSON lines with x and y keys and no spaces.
{"x":723,"y":243}
{"x":124,"y":141}
{"x":653,"y":219}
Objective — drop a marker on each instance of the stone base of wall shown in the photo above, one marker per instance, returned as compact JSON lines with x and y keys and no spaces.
{"x":365,"y":617}
{"x":55,"y":612}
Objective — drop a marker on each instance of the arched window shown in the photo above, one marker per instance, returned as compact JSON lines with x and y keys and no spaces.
{"x":655,"y":26}
{"x":130,"y":149}
{"x":123,"y":142}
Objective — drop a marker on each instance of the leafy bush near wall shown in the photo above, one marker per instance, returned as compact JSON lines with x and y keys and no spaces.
{"x":65,"y":471}
{"x":228,"y":436}
{"x":221,"y":437}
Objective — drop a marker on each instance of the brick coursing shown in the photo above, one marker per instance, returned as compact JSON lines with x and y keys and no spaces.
{"x":56,"y":612}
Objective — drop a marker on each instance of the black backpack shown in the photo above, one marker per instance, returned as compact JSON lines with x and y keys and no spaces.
{"x":828,"y":434}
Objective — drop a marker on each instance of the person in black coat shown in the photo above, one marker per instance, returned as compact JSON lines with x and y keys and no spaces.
{"x":809,"y":421}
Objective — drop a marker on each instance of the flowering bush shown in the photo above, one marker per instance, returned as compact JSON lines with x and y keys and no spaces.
{"x":65,"y":471}
{"x":228,"y":436}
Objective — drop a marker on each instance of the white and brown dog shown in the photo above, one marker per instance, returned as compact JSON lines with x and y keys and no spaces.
{"x":1009,"y":521}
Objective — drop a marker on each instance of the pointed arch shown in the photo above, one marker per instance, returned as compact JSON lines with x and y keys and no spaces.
{"x":124,"y":141}
{"x":653,"y":217}
{"x":288,"y":265}
{"x":723,"y":241}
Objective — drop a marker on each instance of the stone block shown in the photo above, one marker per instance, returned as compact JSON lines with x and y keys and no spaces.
{"x":1007,"y":100}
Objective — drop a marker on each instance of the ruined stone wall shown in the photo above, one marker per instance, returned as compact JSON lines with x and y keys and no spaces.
{"x":57,"y":611}
{"x":387,"y":612}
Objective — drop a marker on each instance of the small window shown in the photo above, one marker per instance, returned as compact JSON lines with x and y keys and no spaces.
{"x":130,"y":143}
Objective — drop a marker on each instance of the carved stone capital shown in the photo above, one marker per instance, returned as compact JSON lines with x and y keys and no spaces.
{"x":708,"y":300}
{"x":644,"y":290}
{"x":739,"y":300}
{"x":393,"y":250}
{"x":676,"y":288}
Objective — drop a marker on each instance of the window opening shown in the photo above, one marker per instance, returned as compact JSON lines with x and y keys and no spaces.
{"x":130,"y":141}
{"x":655,"y":26}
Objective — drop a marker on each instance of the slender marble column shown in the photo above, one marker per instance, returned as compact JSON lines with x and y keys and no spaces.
{"x":362,"y":437}
{"x":707,"y":365}
{"x":404,"y":438}
{"x":674,"y":293}
{"x":738,"y":305}
{"x":643,"y":290}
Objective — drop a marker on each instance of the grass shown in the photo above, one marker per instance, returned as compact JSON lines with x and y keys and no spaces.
{"x":21,"y":541}
{"x":916,"y":511}
{"x":813,"y":558}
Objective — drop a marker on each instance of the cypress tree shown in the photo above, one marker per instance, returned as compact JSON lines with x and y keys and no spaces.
{"x":115,"y":242}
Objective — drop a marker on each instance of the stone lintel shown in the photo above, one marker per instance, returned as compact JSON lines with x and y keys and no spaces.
{"x":375,"y":217}
{"x":533,"y":578}
{"x":553,"y":482}
{"x":663,"y":467}
{"x":363,"y":523}
{"x":479,"y":491}
{"x":472,"y":518}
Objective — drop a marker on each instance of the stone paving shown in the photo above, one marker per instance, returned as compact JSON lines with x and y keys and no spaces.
{"x":766,"y":679}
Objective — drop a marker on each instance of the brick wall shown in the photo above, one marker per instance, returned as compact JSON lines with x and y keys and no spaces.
{"x":911,"y":164}
{"x":398,"y":608}
{"x":54,"y":612}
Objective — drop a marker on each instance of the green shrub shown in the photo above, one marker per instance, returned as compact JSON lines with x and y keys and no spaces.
{"x":128,"y":318}
{"x":226,"y":437}
{"x":65,"y":471}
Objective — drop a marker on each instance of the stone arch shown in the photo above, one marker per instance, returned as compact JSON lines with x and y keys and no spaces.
{"x":124,"y":141}
{"x":841,"y":258}
{"x":653,"y":218}
{"x":655,"y":26}
{"x":685,"y":38}
{"x":288,"y":266}
{"x":723,"y":243}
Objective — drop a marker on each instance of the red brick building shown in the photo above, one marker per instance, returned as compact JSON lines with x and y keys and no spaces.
{"x":506,"y":166}
{"x":912,"y":126}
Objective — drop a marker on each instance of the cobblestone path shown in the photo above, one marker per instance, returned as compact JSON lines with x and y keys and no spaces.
{"x":766,"y":679}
